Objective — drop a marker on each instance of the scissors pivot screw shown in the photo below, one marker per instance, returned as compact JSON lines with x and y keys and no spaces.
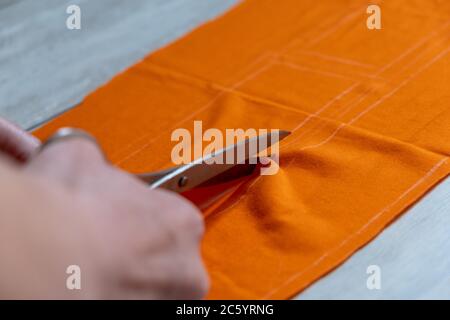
{"x":183,"y":181}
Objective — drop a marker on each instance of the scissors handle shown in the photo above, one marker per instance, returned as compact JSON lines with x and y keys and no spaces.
{"x":188,"y":176}
{"x":66,"y":134}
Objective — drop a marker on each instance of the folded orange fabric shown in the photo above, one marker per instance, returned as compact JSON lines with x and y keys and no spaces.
{"x":369,"y":111}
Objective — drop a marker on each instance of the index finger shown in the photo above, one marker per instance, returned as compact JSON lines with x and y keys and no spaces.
{"x":66,"y":154}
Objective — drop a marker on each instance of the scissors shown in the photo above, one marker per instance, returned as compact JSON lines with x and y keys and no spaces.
{"x":206,"y":170}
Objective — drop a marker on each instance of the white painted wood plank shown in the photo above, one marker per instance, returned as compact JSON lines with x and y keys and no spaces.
{"x":7,"y":3}
{"x":46,"y":68}
{"x":413,"y":254}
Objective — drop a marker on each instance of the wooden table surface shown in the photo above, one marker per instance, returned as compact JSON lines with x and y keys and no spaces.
{"x":46,"y":69}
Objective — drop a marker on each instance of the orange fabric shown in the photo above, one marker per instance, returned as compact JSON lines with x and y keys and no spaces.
{"x":369,"y":111}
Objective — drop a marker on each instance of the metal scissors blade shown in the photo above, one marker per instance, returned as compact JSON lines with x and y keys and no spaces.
{"x":186,"y":177}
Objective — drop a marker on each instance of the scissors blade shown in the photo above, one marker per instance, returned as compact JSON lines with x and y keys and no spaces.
{"x":189,"y":176}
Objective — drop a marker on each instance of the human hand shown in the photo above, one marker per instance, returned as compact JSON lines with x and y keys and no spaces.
{"x":129,"y":241}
